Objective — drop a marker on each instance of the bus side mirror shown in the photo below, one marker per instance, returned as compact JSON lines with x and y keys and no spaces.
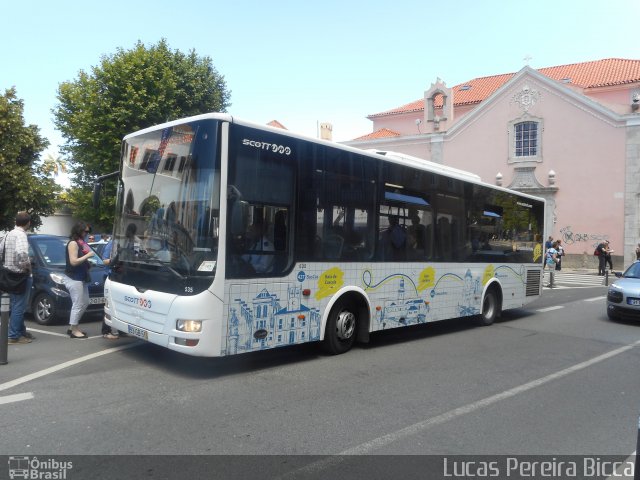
{"x":239,"y":217}
{"x":97,"y":187}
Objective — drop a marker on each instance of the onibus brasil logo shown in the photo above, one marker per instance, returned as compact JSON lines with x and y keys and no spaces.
{"x":34,"y":468}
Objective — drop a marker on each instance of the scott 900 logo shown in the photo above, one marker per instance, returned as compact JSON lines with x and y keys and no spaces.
{"x":272,"y":147}
{"x":139,"y":301}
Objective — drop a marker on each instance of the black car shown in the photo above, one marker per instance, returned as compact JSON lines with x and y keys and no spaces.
{"x":50,"y":301}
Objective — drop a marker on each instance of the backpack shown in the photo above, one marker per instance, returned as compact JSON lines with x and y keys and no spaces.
{"x":596,"y":252}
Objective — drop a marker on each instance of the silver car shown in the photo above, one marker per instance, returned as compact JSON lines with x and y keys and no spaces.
{"x":623,"y":297}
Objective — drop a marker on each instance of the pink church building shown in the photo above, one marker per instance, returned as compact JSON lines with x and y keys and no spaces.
{"x":569,"y":134}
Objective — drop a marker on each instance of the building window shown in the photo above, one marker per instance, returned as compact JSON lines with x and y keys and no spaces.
{"x":525,"y":140}
{"x":526,"y":137}
{"x":170,"y":162}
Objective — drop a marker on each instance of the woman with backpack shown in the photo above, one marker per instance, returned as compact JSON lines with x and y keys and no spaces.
{"x":551,"y":259}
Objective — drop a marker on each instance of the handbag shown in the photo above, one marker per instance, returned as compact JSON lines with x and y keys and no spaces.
{"x":10,"y":281}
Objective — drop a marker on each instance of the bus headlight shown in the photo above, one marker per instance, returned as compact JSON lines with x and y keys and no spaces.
{"x":192,"y":326}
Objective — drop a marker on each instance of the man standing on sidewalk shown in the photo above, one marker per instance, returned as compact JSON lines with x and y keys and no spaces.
{"x":16,"y":259}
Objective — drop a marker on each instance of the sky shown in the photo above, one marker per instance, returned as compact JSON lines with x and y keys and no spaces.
{"x":303,"y":63}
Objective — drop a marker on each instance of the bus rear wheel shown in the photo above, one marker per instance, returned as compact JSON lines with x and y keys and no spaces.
{"x":340,"y":332}
{"x":490,"y":308}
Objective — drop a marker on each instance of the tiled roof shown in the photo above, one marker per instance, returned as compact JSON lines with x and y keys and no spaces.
{"x":599,"y":73}
{"x":277,"y":124}
{"x":382,"y":133}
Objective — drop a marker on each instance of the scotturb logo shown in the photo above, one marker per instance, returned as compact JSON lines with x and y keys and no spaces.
{"x":33,"y":468}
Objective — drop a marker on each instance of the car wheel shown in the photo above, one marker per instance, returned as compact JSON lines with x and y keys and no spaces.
{"x":44,"y":310}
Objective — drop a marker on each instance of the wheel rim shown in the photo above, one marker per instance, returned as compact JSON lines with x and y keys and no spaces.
{"x":345,"y":325}
{"x":43,"y":309}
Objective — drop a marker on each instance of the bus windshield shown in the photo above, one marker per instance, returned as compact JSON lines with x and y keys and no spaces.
{"x":167,"y":213}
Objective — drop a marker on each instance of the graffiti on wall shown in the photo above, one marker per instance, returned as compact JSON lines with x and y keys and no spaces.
{"x":569,"y":237}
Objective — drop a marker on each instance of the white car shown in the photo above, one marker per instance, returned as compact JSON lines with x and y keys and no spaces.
{"x":623,"y":297}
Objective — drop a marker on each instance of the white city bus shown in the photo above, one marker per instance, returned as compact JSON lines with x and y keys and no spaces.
{"x":232,"y":237}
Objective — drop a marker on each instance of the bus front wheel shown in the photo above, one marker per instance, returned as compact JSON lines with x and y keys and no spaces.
{"x":490,"y":308}
{"x":341,"y":330}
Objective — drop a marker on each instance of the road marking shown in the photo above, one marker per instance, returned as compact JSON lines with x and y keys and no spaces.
{"x":367,"y":448}
{"x":472,"y":407}
{"x":45,"y":332}
{"x":55,"y":334}
{"x":549,"y":309}
{"x":62,"y":366}
{"x":18,"y":397}
{"x":595,"y":299}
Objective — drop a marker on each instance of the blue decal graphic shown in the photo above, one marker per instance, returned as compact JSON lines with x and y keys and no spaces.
{"x":301,"y":276}
{"x":406,"y":309}
{"x":267,"y":321}
{"x":471,"y":288}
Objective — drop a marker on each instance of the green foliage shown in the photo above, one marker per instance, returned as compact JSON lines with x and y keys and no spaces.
{"x":128,"y":91}
{"x":24,"y":183}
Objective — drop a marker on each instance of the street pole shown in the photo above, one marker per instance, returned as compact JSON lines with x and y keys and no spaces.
{"x":4,"y":327}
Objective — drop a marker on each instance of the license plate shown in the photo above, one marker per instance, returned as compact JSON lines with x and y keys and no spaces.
{"x":138,"y":332}
{"x":96,"y":300}
{"x":633,"y":301}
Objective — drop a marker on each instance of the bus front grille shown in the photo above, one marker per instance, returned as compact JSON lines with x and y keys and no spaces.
{"x":533,"y":283}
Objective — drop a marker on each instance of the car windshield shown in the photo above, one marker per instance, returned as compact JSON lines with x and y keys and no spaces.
{"x":52,"y":251}
{"x":633,"y":271}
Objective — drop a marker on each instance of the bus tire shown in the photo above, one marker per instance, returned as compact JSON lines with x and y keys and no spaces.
{"x":490,"y":308}
{"x":340,"y":333}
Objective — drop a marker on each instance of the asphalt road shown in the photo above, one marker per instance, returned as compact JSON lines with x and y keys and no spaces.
{"x":556,"y":378}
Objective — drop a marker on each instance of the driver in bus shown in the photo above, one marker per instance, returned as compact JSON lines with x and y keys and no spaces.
{"x":258,"y":241}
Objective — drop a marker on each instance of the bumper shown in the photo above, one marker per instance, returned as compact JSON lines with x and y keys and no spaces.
{"x":623,"y":312}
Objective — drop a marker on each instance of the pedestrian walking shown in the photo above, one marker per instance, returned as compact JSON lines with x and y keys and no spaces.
{"x":15,"y":247}
{"x":607,"y":255}
{"x":560,"y":250}
{"x":638,"y":252}
{"x":110,"y":333}
{"x":551,"y":259}
{"x":600,"y":253}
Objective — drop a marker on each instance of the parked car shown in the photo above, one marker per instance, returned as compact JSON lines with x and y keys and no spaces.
{"x":50,"y":300}
{"x":623,"y":297}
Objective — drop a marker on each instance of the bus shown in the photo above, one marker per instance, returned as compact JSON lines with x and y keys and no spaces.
{"x":232,"y":237}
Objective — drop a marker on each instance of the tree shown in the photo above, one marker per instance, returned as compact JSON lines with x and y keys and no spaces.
{"x":54,"y":165}
{"x":24,"y":184}
{"x":128,"y":91}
